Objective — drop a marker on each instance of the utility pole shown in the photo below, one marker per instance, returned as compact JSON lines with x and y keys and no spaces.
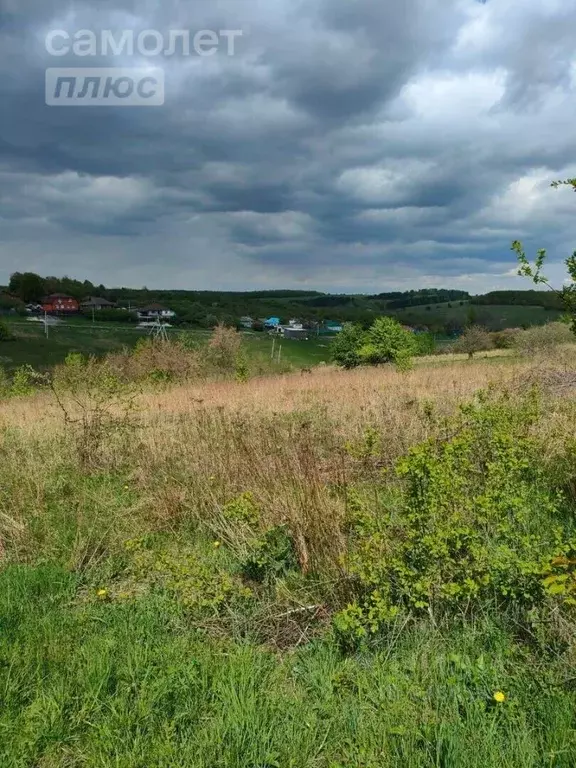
{"x":46,"y":323}
{"x":273,"y":348}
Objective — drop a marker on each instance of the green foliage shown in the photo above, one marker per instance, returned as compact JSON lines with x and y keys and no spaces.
{"x":24,"y":381}
{"x":242,"y":368}
{"x":242,"y":509}
{"x":5,"y":332}
{"x":543,"y":338}
{"x":28,"y":286}
{"x":345,"y":347}
{"x":198,"y":583}
{"x":505,"y":339}
{"x":477,"y":521}
{"x":385,"y":341}
{"x":425,"y":344}
{"x":271,"y":555}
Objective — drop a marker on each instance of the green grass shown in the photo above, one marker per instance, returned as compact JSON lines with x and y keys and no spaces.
{"x":31,"y":347}
{"x":91,"y":683}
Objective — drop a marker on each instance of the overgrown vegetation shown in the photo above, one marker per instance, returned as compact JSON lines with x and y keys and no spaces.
{"x":189,"y":574}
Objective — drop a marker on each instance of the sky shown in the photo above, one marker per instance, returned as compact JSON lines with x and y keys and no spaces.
{"x":349,"y":146}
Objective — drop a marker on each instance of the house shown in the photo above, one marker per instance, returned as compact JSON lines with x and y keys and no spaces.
{"x":246,"y":322}
{"x":96,"y":303}
{"x":60,"y":302}
{"x":155,"y":312}
{"x":291,"y":332}
{"x":333,"y":327}
{"x":272,"y":322}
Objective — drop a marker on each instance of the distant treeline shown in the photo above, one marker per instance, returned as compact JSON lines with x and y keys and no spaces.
{"x":546,"y":299}
{"x":438,"y":310}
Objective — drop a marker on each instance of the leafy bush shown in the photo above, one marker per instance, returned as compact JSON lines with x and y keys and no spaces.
{"x":345,"y":347}
{"x":425,"y":343}
{"x":474,"y":339}
{"x":505,"y":339}
{"x":544,"y":337}
{"x":5,"y":332}
{"x":385,"y":341}
{"x":271,"y":555}
{"x":476,"y":521}
{"x":197,"y":583}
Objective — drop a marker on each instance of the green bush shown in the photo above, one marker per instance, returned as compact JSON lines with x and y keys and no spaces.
{"x":271,"y":555}
{"x":476,"y":521}
{"x":385,"y":341}
{"x":5,"y":332}
{"x":345,"y":347}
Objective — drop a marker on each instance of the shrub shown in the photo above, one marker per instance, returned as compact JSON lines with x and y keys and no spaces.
{"x":385,"y":341}
{"x":224,"y":348}
{"x":476,"y":520}
{"x":474,"y":339}
{"x":505,"y":339}
{"x":425,"y":343}
{"x":5,"y":332}
{"x":345,"y":347}
{"x":543,"y":337}
{"x":271,"y":555}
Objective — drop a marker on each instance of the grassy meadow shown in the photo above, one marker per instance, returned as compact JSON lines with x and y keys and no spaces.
{"x":31,"y":347}
{"x":331,"y":570}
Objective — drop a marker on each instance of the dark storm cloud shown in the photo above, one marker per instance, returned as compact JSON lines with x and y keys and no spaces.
{"x":348,"y":145}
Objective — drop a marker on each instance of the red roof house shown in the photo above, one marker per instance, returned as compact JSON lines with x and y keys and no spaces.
{"x":59,"y":302}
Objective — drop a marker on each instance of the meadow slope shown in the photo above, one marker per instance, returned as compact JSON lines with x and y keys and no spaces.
{"x":187,"y":572}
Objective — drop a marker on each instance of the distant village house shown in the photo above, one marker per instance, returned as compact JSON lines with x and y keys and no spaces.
{"x":96,"y":303}
{"x":155,"y":312}
{"x":60,"y":303}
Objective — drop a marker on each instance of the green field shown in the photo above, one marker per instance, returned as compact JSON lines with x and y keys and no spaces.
{"x":30,"y":345}
{"x":369,"y":569}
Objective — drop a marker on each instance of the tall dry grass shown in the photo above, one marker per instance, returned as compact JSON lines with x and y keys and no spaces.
{"x":191,"y":448}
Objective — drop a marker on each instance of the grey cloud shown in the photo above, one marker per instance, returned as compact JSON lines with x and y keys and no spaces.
{"x":347,"y":145}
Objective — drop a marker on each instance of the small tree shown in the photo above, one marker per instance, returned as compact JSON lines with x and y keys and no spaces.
{"x":386,"y":341}
{"x":345,"y":347}
{"x":5,"y":332}
{"x":474,"y":339}
{"x":534,"y":271}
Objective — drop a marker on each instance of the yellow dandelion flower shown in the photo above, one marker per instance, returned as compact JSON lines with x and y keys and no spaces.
{"x":217,"y":544}
{"x":102,"y":592}
{"x":500,"y":697}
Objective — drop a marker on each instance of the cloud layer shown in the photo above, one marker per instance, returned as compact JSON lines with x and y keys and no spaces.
{"x":347,"y":146}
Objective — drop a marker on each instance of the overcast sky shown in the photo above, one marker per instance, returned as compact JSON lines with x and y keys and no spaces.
{"x":347,"y":146}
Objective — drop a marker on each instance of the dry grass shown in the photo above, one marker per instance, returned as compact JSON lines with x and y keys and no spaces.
{"x":192,"y":448}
